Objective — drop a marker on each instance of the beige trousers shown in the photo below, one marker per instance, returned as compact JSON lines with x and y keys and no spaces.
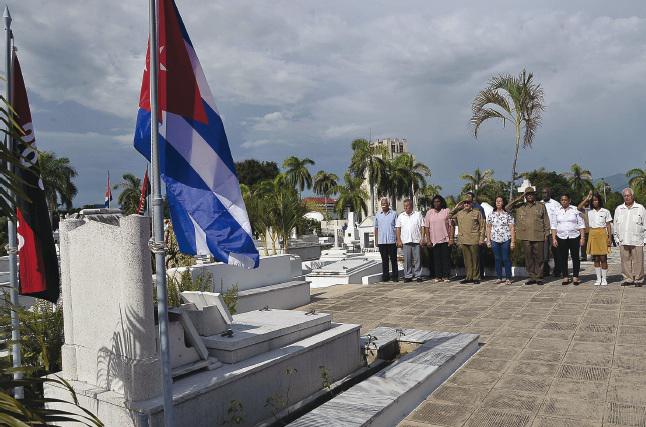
{"x":632,"y":263}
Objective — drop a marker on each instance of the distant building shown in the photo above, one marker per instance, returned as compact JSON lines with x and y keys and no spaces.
{"x":325,"y":205}
{"x":396,"y":147}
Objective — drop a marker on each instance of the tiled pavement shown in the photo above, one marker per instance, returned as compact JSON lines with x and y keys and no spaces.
{"x":552,"y":355}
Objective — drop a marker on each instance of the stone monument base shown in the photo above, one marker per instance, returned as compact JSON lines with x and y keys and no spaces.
{"x":256,"y":388}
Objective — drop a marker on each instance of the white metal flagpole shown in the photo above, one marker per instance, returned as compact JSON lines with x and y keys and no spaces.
{"x":12,"y":246}
{"x":157,"y":245}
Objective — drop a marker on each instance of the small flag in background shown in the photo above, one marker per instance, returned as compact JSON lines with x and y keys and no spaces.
{"x":108,"y":194}
{"x":208,"y":214}
{"x":145,"y":191}
{"x":38,"y":271}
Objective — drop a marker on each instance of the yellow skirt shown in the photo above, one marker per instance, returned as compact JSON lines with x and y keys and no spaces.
{"x":598,"y":241}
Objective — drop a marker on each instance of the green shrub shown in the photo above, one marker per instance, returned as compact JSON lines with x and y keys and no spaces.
{"x":184,"y":281}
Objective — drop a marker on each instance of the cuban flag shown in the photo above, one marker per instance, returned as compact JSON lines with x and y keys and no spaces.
{"x":108,"y":194}
{"x":207,"y":211}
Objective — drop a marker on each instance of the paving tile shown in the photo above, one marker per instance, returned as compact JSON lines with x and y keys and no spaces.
{"x":486,"y":364}
{"x":594,"y":337}
{"x":619,"y":414}
{"x":583,"y":372}
{"x":543,"y":421}
{"x":574,"y":409}
{"x":508,"y":341}
{"x":516,"y":331}
{"x":627,"y":393}
{"x":534,"y":368}
{"x":441,"y":413}
{"x":511,"y":400}
{"x":474,"y":378}
{"x":409,"y":423}
{"x":630,"y":357}
{"x":530,"y":384}
{"x":470,"y":396}
{"x":554,"y":335}
{"x":620,"y":376}
{"x":498,"y":352}
{"x":541,"y":356}
{"x":549,"y":345}
{"x":498,"y":418}
{"x":575,"y":389}
{"x":585,"y":354}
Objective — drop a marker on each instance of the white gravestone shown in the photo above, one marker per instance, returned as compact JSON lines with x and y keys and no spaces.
{"x":110,"y":332}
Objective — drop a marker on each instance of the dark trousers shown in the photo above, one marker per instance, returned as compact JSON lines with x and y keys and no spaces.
{"x":388,"y":252}
{"x":548,"y":247}
{"x":571,"y":246}
{"x":482,"y":253}
{"x":501,"y":253}
{"x":442,"y":260}
{"x":534,"y":259}
{"x":471,"y":255}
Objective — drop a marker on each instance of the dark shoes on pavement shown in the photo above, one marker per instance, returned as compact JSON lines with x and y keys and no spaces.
{"x":465,"y":281}
{"x":530,"y":282}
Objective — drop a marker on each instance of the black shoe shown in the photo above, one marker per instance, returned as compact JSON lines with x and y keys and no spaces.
{"x":465,"y":281}
{"x":394,"y":279}
{"x":638,"y":285}
{"x":476,"y":282}
{"x":626,"y":283}
{"x":419,"y":279}
{"x":530,"y":282}
{"x":539,"y":283}
{"x":385,"y":278}
{"x":407,"y":280}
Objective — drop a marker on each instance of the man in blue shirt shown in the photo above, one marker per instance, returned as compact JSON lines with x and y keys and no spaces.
{"x":386,"y":240}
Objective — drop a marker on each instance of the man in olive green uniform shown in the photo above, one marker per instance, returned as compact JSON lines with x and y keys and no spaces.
{"x":532,"y":225}
{"x":471,"y":234}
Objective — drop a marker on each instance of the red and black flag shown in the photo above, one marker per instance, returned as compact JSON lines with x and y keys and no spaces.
{"x":38,"y":262}
{"x":145,"y":191}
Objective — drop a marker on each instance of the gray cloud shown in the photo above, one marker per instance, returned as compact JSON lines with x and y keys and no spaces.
{"x":305,"y":79}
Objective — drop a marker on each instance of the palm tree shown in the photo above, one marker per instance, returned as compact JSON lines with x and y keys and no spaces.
{"x":477,"y":181}
{"x":515,"y":99}
{"x":57,"y":174}
{"x":368,"y":159}
{"x":427,"y":193}
{"x":325,"y":184}
{"x":579,"y":179}
{"x":403,"y":177}
{"x":297,"y":173}
{"x":352,"y":196}
{"x":130,"y":193}
{"x":602,"y":187}
{"x":286,"y":213}
{"x":637,"y":180}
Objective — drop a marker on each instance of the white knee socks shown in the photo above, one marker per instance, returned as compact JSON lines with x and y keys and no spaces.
{"x":604,"y":277}
{"x":598,"y":271}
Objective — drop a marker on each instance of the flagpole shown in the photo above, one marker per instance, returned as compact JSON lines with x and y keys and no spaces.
{"x":12,"y":246}
{"x":157,"y":245}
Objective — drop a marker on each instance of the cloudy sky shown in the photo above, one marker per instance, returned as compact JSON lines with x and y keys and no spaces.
{"x":305,"y":78}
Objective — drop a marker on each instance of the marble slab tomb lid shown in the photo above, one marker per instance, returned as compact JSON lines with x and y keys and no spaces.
{"x":208,"y":299}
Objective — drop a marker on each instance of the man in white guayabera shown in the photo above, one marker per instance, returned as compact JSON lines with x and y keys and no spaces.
{"x":630,"y":233}
{"x":409,"y":235}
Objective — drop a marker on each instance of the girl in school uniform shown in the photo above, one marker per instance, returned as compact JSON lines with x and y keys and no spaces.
{"x":599,"y":241}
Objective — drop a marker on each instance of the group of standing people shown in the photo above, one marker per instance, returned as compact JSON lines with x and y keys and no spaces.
{"x":542,"y":228}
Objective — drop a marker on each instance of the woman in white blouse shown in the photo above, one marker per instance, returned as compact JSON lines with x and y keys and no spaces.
{"x":599,"y":241}
{"x":568,"y":235}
